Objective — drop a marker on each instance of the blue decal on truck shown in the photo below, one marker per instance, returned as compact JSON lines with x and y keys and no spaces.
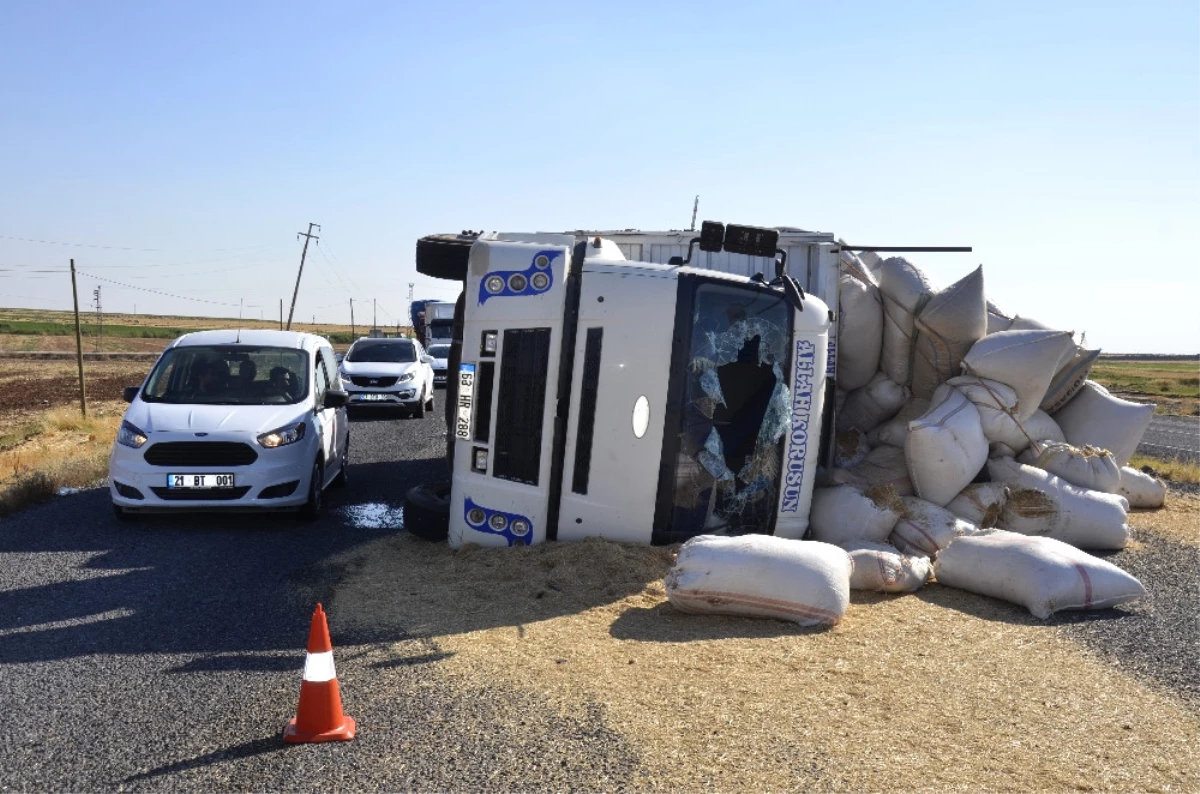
{"x":533,"y":280}
{"x":513,"y":527}
{"x":805,"y":367}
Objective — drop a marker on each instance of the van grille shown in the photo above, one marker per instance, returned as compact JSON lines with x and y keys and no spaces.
{"x":200,"y":494}
{"x":200,"y":454}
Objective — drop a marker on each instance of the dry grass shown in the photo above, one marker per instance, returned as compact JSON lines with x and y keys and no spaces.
{"x":1175,"y":469}
{"x":54,"y":449}
{"x":940,"y":691}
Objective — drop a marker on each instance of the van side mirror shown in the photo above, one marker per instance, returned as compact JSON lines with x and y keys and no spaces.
{"x":335,"y":398}
{"x":130,"y":393}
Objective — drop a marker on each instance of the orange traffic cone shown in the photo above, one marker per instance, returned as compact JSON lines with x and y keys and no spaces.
{"x":319,"y":716}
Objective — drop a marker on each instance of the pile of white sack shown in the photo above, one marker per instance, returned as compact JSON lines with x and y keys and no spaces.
{"x":970,"y":447}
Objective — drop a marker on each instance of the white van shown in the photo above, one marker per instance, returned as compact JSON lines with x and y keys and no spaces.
{"x":233,"y":420}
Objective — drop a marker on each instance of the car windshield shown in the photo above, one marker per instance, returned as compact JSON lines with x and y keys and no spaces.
{"x":392,"y":351}
{"x":229,"y":375}
{"x":439,"y":351}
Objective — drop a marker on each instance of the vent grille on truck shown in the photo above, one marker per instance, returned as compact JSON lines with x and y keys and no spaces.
{"x":587,"y":410}
{"x":521,"y":407}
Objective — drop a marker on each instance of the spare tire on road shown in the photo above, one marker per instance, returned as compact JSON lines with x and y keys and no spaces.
{"x":445,"y":255}
{"x":427,"y":511}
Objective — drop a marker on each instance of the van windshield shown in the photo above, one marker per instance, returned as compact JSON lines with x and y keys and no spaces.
{"x":734,"y":413}
{"x":229,"y":375}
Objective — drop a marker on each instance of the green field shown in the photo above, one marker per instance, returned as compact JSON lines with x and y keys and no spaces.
{"x":1152,"y":378}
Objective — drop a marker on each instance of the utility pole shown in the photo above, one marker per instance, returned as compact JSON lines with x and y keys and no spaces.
{"x":99,"y":319}
{"x":374,"y":322}
{"x":307,"y":236}
{"x":78,"y":342}
{"x":352,"y":331}
{"x":281,"y":314}
{"x":695,"y":209}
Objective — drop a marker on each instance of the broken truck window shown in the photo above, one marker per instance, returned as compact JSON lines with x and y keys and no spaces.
{"x":736,"y":412}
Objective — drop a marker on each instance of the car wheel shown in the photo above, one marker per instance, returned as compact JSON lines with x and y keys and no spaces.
{"x":429,"y":406}
{"x":342,"y":478}
{"x":427,"y":511}
{"x":444,"y":255}
{"x":311,"y":509}
{"x":419,"y":410}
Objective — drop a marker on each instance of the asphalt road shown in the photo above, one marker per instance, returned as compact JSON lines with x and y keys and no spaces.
{"x":1172,"y":437}
{"x":166,"y":655}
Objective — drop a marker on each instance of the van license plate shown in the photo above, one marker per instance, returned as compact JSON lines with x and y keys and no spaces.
{"x":466,"y":392}
{"x":196,"y":481}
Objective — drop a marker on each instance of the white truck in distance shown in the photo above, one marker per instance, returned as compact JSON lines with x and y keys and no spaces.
{"x":595,"y":394}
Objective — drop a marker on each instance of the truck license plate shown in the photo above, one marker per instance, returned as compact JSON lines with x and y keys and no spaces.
{"x":199,"y":480}
{"x":466,"y":391}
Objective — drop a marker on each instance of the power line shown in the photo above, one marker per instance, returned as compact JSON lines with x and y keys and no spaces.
{"x":160,"y":292}
{"x":125,"y":248}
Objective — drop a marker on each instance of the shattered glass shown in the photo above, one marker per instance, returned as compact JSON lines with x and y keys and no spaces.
{"x":736,"y":412}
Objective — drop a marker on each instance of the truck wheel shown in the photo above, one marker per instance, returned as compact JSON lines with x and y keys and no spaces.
{"x":444,"y":255}
{"x":427,"y":511}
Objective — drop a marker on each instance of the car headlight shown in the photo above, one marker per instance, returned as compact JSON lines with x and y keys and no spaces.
{"x":130,"y":436}
{"x":282,"y":436}
{"x":405,"y":378}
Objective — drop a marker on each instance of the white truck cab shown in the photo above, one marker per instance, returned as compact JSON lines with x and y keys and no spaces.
{"x":598,"y":395}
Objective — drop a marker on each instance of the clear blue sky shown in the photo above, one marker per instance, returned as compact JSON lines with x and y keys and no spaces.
{"x":1061,"y":140}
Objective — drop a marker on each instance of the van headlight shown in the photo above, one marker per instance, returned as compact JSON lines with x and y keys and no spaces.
{"x":405,"y":378}
{"x":130,"y":436}
{"x":281,"y":437}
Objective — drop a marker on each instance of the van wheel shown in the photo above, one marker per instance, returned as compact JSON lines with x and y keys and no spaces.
{"x":444,"y":255}
{"x":427,"y":511}
{"x":342,"y":477}
{"x":311,"y":510}
{"x":122,"y":514}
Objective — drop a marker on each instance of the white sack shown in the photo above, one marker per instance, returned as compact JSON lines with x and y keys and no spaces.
{"x":1020,"y":323}
{"x":1096,"y":417}
{"x":1025,"y":360}
{"x":945,"y":448}
{"x":1069,"y":379}
{"x":925,"y":529}
{"x":872,"y":260}
{"x":850,"y":447}
{"x":883,"y":466}
{"x":761,"y":576}
{"x":860,"y":324}
{"x":947,"y":326}
{"x":1043,"y":427}
{"x":980,"y":503}
{"x":998,"y":450}
{"x":1041,"y":574}
{"x":894,"y":431}
{"x":1086,"y":467}
{"x":873,"y":404}
{"x":1141,"y":489}
{"x":1041,"y":504}
{"x":881,"y":568}
{"x":904,"y":289}
{"x":844,"y":514}
{"x":997,"y":320}
{"x":999,"y":410}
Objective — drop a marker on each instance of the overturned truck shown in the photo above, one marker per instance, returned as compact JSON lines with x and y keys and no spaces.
{"x":593,"y":392}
